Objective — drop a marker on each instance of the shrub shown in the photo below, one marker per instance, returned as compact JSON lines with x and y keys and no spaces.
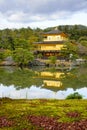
{"x":75,"y":95}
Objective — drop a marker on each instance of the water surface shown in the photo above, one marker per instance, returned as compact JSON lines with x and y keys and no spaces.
{"x":37,"y":82}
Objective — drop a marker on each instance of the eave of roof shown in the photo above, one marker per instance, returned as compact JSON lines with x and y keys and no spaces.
{"x":48,"y":51}
{"x":50,"y":42}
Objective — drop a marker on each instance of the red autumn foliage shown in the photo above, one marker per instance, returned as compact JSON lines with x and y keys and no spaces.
{"x":73,"y":114}
{"x":4,"y":122}
{"x":48,"y":123}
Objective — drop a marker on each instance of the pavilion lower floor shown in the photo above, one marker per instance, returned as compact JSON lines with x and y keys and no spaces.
{"x":47,"y":54}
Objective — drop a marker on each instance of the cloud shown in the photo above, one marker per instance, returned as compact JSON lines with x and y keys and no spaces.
{"x":29,"y":11}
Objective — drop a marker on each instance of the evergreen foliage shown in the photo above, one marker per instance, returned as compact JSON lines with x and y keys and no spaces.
{"x":13,"y":39}
{"x":75,"y":95}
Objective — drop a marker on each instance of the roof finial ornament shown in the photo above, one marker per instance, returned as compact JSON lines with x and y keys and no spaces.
{"x":56,"y":28}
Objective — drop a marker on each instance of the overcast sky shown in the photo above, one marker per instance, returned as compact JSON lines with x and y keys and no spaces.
{"x":42,"y":13}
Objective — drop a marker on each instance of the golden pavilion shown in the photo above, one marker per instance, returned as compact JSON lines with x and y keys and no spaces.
{"x":52,"y":43}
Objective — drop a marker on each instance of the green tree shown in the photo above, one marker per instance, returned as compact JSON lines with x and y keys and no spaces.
{"x":4,"y":54}
{"x":39,"y":56}
{"x":83,"y":41}
{"x":11,"y":42}
{"x":53,"y":59}
{"x":7,"y":53}
{"x":82,"y":47}
{"x":70,"y":50}
{"x":1,"y":55}
{"x":22,"y":56}
{"x":75,"y":95}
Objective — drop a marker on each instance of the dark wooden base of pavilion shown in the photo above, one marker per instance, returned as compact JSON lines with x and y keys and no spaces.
{"x":46,"y":54}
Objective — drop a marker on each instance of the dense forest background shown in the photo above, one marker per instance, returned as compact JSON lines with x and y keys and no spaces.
{"x":19,"y":42}
{"x":12,"y":38}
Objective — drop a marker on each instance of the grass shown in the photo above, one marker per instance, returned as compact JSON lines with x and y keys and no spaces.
{"x":17,"y":111}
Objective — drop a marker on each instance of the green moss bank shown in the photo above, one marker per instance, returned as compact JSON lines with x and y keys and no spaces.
{"x":25,"y":114}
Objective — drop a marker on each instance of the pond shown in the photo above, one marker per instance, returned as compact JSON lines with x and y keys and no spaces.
{"x":40,"y":82}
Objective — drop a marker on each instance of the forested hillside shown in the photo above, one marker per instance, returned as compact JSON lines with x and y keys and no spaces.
{"x":19,"y":42}
{"x":14,"y":38}
{"x":74,"y":31}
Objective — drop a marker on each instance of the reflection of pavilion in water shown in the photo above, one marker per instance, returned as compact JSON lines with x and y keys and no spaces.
{"x":53,"y":83}
{"x":51,"y":79}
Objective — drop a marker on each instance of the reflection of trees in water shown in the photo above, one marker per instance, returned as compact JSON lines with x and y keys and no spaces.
{"x":19,"y":78}
{"x":76,"y":78}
